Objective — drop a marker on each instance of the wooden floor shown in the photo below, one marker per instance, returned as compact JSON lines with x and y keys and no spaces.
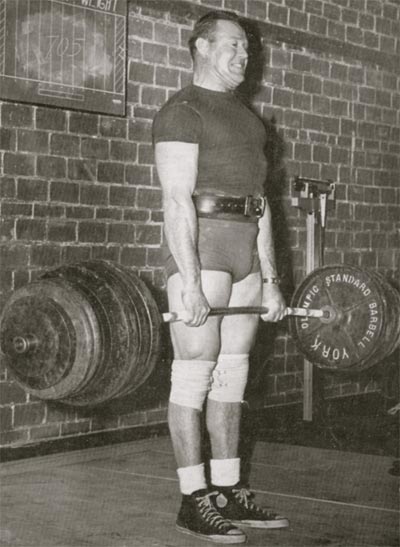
{"x":126,"y":495}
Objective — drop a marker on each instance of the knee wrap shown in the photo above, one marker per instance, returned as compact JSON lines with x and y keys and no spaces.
{"x":190,"y":382}
{"x":229,"y":378}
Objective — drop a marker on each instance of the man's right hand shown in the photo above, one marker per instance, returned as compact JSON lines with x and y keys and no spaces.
{"x":196,"y":306}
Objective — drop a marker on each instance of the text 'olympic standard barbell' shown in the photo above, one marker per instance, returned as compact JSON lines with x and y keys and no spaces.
{"x":86,"y":333}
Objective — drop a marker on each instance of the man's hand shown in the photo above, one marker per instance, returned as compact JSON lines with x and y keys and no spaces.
{"x":196,"y":306}
{"x":273,"y":300}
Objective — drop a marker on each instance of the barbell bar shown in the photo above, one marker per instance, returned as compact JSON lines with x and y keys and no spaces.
{"x":171,"y":317}
{"x":89,"y":332}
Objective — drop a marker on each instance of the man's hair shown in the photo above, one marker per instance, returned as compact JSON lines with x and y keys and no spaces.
{"x":205,"y":26}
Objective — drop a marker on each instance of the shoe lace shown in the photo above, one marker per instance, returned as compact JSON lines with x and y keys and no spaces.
{"x":243,"y":495}
{"x":209,"y":513}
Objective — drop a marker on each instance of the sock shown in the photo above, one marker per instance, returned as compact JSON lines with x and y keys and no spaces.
{"x":191,"y":478}
{"x":225,"y":472}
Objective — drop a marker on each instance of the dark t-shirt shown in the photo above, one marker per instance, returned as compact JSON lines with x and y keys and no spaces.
{"x":231,"y":139}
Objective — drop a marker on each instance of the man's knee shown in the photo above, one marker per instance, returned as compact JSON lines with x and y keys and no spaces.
{"x":190,"y":382}
{"x":229,"y":378}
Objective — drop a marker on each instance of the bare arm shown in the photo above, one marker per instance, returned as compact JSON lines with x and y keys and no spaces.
{"x":271,"y":296}
{"x":176,"y":164}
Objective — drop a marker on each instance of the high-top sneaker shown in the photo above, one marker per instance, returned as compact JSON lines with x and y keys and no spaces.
{"x":199,"y":517}
{"x":235,"y":504}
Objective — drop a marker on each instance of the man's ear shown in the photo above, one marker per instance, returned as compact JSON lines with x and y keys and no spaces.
{"x":202,"y":46}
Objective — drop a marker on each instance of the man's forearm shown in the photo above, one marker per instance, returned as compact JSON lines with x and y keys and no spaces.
{"x":265,"y":245}
{"x":180,"y":226}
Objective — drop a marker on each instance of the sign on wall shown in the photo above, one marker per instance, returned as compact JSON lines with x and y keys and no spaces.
{"x":68,"y":53}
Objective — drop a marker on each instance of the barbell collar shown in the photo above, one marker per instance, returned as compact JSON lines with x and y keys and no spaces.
{"x":172,"y":317}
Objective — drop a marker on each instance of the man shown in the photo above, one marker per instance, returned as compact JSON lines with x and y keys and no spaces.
{"x":209,"y":152}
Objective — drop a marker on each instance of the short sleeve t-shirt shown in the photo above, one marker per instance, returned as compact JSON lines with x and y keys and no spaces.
{"x":231,"y":139}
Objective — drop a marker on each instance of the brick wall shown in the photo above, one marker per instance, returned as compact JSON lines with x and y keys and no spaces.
{"x":78,"y":185}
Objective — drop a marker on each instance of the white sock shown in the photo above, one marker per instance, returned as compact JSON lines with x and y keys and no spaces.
{"x":191,"y":478}
{"x":225,"y":472}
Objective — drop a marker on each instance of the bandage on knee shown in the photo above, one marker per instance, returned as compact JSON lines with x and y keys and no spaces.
{"x":229,"y":378}
{"x":190,"y":382}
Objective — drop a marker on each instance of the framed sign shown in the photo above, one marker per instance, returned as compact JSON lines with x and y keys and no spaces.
{"x":68,"y":53}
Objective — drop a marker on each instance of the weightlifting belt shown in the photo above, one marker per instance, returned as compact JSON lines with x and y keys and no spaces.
{"x":210,"y":206}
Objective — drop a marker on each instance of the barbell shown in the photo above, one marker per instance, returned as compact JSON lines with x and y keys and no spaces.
{"x":86,"y":333}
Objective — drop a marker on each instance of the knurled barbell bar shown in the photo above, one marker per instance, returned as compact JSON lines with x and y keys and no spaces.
{"x":90,"y":332}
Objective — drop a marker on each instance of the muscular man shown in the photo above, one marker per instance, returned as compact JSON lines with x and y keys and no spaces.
{"x":209,"y":151}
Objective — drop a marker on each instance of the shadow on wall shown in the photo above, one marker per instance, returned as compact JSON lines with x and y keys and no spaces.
{"x":274,"y":189}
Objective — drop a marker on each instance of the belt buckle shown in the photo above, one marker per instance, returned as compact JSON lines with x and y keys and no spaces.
{"x":251,"y":207}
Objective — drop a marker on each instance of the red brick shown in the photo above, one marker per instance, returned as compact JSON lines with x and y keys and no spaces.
{"x":30,"y":229}
{"x":45,"y":432}
{"x":48,"y":210}
{"x":111,"y":172}
{"x":148,"y":235}
{"x":113,"y":127}
{"x":179,"y":58}
{"x":94,"y":194}
{"x":19,"y":164}
{"x":106,"y":253}
{"x":91,"y":232}
{"x":298,"y":20}
{"x":149,"y":199}
{"x":134,"y":215}
{"x":45,"y":256}
{"x":146,"y":154}
{"x":7,"y":139}
{"x":82,"y":169}
{"x":123,"y":151}
{"x":51,"y":118}
{"x":278,"y":14}
{"x":95,"y":148}
{"x":108,"y":213}
{"x":141,"y":72}
{"x":154,"y":53}
{"x":140,"y":130}
{"x":29,"y":414}
{"x":80,"y":122}
{"x":166,"y":34}
{"x":64,"y":191}
{"x":33,"y":141}
{"x":133,"y":257}
{"x":121,"y":233}
{"x":32,"y":189}
{"x":62,"y":231}
{"x":75,"y":428}
{"x":51,"y":167}
{"x":16,"y":115}
{"x":138,"y":175}
{"x":141,"y":28}
{"x":257,"y":9}
{"x":75,"y":254}
{"x":153,"y":96}
{"x":235,"y":5}
{"x":281,"y":97}
{"x":318,"y":25}
{"x":64,"y":145}
{"x":14,"y":256}
{"x":167,"y":77}
{"x":7,"y":187}
{"x":5,"y":418}
{"x":11,"y":392}
{"x":122,"y":195}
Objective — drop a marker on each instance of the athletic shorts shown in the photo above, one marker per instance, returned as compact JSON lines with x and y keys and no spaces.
{"x":226,"y":246}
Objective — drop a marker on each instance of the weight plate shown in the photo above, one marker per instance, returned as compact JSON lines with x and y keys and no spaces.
{"x":47,"y":339}
{"x":117,"y":327}
{"x":353,"y":336}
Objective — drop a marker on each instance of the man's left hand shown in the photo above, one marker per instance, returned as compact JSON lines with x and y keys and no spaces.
{"x":273,"y":300}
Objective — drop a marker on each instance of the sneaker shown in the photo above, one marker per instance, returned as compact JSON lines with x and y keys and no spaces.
{"x":199,"y":517}
{"x":235,"y":503}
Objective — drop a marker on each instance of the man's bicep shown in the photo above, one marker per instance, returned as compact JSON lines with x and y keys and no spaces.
{"x":176,"y":164}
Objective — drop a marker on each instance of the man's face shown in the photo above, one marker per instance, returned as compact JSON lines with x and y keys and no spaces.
{"x":227,"y":54}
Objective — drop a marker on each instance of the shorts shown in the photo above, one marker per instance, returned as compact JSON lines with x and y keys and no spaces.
{"x":224,"y":245}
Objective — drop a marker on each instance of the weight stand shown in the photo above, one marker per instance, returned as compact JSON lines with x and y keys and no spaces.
{"x":315,"y":197}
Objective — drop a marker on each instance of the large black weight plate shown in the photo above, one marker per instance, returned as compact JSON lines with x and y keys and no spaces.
{"x":118,"y":331}
{"x":64,"y":333}
{"x":352,"y":339}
